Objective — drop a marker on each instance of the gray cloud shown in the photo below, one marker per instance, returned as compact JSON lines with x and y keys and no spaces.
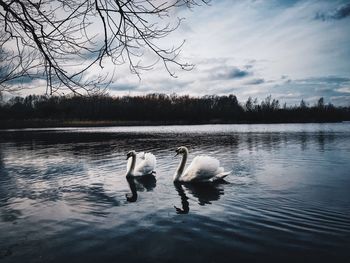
{"x":231,"y":73}
{"x":25,"y":80}
{"x":325,"y":80}
{"x":339,"y":13}
{"x":255,"y":82}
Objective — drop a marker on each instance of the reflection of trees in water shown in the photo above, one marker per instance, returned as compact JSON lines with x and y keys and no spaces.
{"x":204,"y":193}
{"x":142,"y":183}
{"x":274,"y":141}
{"x":303,"y":141}
{"x":2,"y":165}
{"x":266,"y":141}
{"x":94,"y":146}
{"x":321,"y":141}
{"x":3,"y":172}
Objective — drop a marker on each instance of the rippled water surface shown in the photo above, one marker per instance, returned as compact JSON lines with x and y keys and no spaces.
{"x":64,"y":196}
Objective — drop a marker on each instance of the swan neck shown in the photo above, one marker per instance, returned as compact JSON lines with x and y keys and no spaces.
{"x":181,"y":167}
{"x":132,"y":166}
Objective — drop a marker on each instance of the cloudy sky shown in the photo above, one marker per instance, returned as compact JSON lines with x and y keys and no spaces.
{"x":285,"y":48}
{"x":289,"y":49}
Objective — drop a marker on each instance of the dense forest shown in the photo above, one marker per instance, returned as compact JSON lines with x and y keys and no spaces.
{"x":161,"y":108}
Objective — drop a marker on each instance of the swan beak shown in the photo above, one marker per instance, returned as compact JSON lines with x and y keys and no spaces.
{"x":176,"y":154}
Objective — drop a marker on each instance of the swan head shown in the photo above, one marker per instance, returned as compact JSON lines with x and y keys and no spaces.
{"x":130,"y":154}
{"x":181,"y":150}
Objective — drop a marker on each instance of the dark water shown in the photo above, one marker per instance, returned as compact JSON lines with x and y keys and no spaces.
{"x":64,"y":196}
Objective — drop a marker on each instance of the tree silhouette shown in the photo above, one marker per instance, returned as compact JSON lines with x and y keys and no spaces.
{"x":62,"y":41}
{"x":163,"y":109}
{"x":320,"y":103}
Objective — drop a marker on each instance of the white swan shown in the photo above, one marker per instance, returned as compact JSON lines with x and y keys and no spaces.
{"x":140,"y":164}
{"x":202,"y":169}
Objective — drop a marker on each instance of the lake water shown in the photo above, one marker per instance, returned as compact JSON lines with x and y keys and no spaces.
{"x":63,"y":195}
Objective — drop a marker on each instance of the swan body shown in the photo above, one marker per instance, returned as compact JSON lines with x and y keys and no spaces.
{"x":140,"y":164}
{"x":203,"y":168}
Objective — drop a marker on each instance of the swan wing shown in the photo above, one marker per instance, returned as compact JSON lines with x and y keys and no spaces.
{"x":203,"y":169}
{"x":145,"y":163}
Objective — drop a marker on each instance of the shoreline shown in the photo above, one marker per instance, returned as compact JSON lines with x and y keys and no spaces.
{"x":39,"y":123}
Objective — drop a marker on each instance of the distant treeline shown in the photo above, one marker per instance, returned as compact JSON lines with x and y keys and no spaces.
{"x":163,"y":108}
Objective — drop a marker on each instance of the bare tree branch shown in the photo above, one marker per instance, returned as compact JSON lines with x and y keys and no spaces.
{"x":64,"y":42}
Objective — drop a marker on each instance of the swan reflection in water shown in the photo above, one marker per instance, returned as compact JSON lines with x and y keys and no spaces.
{"x":144,"y":183}
{"x":204,"y":193}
